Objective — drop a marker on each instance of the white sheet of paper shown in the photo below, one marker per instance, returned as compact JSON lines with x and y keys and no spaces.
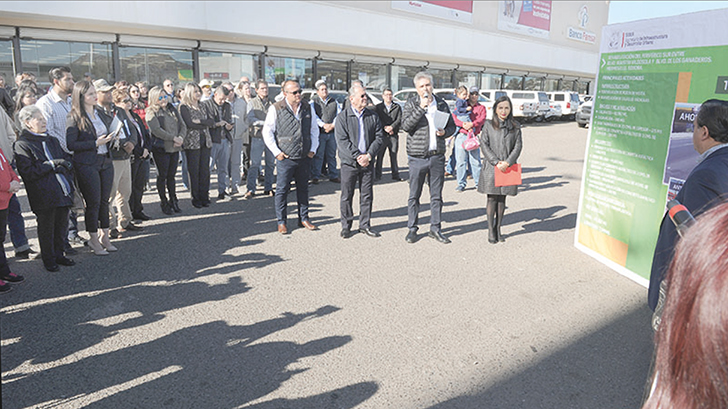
{"x":440,"y":119}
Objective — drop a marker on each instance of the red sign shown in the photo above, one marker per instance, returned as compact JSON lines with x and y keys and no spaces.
{"x":466,"y":6}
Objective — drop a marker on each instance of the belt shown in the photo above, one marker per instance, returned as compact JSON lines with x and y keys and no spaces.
{"x":431,"y":153}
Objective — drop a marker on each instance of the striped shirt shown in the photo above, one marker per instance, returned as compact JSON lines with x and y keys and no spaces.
{"x":55,"y":112}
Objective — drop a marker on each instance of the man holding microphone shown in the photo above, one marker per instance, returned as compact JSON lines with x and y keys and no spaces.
{"x":427,"y":127}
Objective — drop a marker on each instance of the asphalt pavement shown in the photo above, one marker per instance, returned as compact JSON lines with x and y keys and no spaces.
{"x":212,"y":308}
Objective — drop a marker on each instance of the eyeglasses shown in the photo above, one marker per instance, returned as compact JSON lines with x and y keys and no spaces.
{"x":296,"y":92}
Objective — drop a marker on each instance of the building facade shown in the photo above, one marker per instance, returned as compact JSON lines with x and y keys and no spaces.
{"x":536,"y":45}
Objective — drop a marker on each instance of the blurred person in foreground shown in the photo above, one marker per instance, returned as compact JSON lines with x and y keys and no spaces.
{"x":47,"y":173}
{"x":691,"y":360}
{"x":9,"y":185}
{"x":706,"y":186}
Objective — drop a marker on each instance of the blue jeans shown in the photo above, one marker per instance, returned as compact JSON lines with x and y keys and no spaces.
{"x":16,"y":225}
{"x":290,"y":170}
{"x":257,"y":148}
{"x":219,"y":157}
{"x":462,"y":157}
{"x":326,"y":152}
{"x":236,"y":158}
{"x":185,"y":177}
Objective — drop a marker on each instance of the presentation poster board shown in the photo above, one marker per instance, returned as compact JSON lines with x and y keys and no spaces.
{"x":653,"y":76}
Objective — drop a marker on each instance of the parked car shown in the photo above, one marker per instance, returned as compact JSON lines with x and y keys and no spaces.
{"x":583,"y":114}
{"x":569,"y":102}
{"x":527,"y":105}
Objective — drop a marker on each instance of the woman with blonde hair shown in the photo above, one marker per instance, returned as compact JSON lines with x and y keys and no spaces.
{"x":197,"y":144}
{"x":167,"y":129}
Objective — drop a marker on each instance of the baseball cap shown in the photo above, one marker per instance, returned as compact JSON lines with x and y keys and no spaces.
{"x":102,"y":86}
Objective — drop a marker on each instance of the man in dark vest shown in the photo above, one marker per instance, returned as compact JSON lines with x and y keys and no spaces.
{"x":326,"y":109}
{"x":291,"y":133}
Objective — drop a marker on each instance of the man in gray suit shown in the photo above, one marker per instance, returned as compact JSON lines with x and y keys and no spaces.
{"x":359,"y":137}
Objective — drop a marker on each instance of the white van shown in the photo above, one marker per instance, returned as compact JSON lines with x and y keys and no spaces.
{"x":526,"y":104}
{"x":569,"y":102}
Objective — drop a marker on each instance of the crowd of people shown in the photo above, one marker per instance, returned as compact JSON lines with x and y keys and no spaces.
{"x":85,"y":147}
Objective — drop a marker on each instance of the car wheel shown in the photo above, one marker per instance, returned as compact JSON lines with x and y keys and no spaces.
{"x":581,"y":125}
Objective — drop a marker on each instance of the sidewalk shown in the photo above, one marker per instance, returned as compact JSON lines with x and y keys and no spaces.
{"x":212,"y":308}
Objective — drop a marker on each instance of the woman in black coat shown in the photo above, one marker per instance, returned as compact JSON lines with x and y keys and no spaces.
{"x":500,"y":142}
{"x":46,"y":173}
{"x":88,"y":138}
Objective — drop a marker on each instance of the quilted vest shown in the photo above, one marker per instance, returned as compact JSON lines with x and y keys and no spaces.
{"x":326,"y":111}
{"x":293,"y":137}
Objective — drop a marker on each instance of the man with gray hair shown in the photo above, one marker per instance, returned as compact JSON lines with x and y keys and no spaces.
{"x":427,"y":121}
{"x":220,"y":111}
{"x":326,"y":109}
{"x":359,"y":136}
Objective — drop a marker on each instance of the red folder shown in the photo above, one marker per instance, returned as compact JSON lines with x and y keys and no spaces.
{"x":511,"y":177}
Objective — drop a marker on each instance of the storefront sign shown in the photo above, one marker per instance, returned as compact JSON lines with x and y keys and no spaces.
{"x":531,"y":18}
{"x":461,"y":11}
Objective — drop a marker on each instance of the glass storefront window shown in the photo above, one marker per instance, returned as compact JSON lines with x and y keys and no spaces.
{"x":154,"y":65}
{"x":567,"y":85}
{"x":550,"y":85}
{"x":513,"y":82}
{"x":221,"y":67}
{"x":279,"y":69}
{"x":374,"y":76}
{"x":490,"y":81}
{"x":402,"y":77}
{"x":533,"y":83}
{"x":441,"y":78}
{"x":40,"y":56}
{"x":333,"y":72}
{"x":467,"y":78}
{"x":582,"y":87}
{"x":7,"y":64}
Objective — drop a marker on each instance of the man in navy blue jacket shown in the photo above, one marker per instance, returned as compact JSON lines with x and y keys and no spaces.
{"x":705,"y":187}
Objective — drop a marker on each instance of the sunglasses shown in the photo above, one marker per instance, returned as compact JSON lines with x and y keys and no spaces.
{"x":124,"y":101}
{"x":473,"y":93}
{"x":163,"y":97}
{"x":296,"y":92}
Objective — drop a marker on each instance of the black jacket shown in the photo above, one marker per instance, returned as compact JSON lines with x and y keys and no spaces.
{"x":218,"y":132}
{"x":144,"y":140}
{"x":416,"y":125}
{"x":347,"y":135}
{"x":82,"y":143}
{"x":392,"y":118}
{"x":39,"y":176}
{"x":129,"y":133}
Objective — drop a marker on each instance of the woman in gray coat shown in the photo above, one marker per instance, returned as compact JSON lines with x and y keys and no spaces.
{"x":500,"y":142}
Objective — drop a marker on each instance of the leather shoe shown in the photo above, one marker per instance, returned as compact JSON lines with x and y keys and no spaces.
{"x":335,"y":180}
{"x":307,"y":224}
{"x":369,"y":232}
{"x":438,"y":236}
{"x":345,"y":233}
{"x":133,"y":227}
{"x":411,"y":236}
{"x":65,"y":261}
{"x":282,"y":229}
{"x":52,"y":268}
{"x":141,"y":216}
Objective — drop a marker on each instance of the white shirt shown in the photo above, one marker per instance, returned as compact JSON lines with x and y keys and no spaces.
{"x":269,"y":129}
{"x":430,"y":115}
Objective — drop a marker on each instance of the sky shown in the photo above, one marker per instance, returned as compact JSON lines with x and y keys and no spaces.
{"x":621,"y":11}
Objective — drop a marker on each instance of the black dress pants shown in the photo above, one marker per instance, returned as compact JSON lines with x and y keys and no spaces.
{"x":139,"y":176}
{"x":391,"y":143}
{"x":350,"y":177}
{"x":95,"y":183}
{"x":420,"y":169}
{"x":198,"y":167}
{"x":52,"y":230}
{"x":166,"y":169}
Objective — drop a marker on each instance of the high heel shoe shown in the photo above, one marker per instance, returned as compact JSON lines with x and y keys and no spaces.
{"x":167,"y":208}
{"x":95,"y":245}
{"x":175,"y":206}
{"x":106,"y":241}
